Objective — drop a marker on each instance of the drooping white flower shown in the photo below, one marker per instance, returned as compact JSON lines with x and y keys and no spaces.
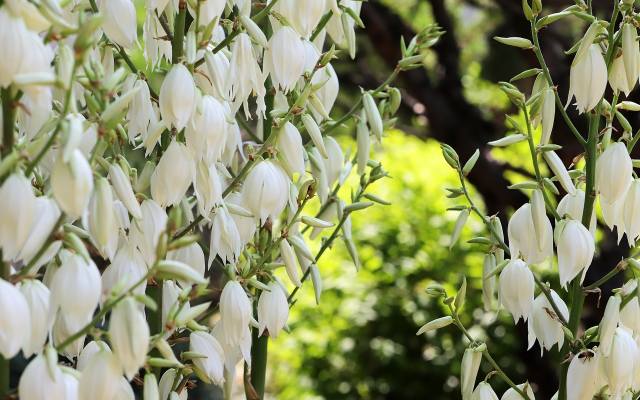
{"x":630,"y":53}
{"x":572,"y":206}
{"x":576,"y":248}
{"x":233,"y":352}
{"x":217,"y":70}
{"x":15,"y":323}
{"x":273,"y":310}
{"x":38,"y":105}
{"x":72,"y":183}
{"x":177,"y":97}
{"x":155,"y":49}
{"x":45,"y":218}
{"x":583,"y":376}
{"x":516,"y":289}
{"x":213,"y":365}
{"x":619,"y":365}
{"x":129,"y":334}
{"x":265,"y":190}
{"x":618,"y":76}
{"x":77,"y":305}
{"x":208,"y":188}
{"x":61,"y":332}
{"x":246,"y":225}
{"x":210,"y":10}
{"x":173,"y":175}
{"x":631,"y":212}
{"x":290,"y":262}
{"x":534,"y":248}
{"x":119,"y":24}
{"x":146,"y":231}
{"x":544,"y":323}
{"x":207,"y":132}
{"x":71,"y":383}
{"x":630,"y":315}
{"x":588,"y":79}
{"x":17,"y":213}
{"x":192,"y":255}
{"x":614,"y":171}
{"x":469,"y":371}
{"x":101,"y":377}
{"x":304,"y":15}
{"x":609,"y":323}
{"x":42,"y":379}
{"x":511,"y":394}
{"x":124,"y":191}
{"x":38,"y":298}
{"x":484,"y":391}
{"x":225,"y":238}
{"x":335,"y":162}
{"x":141,"y":111}
{"x":13,"y":40}
{"x":327,"y":93}
{"x":245,"y":76}
{"x":170,"y":302}
{"x":235,"y":310}
{"x":126,"y":269}
{"x":291,"y":148}
{"x":285,"y":44}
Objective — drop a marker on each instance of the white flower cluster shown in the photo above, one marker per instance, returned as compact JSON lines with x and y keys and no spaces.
{"x":560,"y":230}
{"x":128,"y":173}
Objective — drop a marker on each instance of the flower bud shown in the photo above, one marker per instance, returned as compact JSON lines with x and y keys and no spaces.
{"x":77,"y":305}
{"x":72,"y":184}
{"x":516,"y":289}
{"x":191,"y":255}
{"x":124,"y":191}
{"x":373,"y":115}
{"x":533,"y":248}
{"x":273,"y":310}
{"x":618,"y":76}
{"x":42,"y":379}
{"x":630,"y":315}
{"x":291,"y":149}
{"x":609,"y":323}
{"x":327,"y":93}
{"x":572,"y":205}
{"x":630,"y":53}
{"x":435,"y":324}
{"x":212,"y":366}
{"x":333,"y":165}
{"x":576,"y":248}
{"x":235,"y":310}
{"x":588,"y":79}
{"x":614,"y":172}
{"x":290,"y":263}
{"x":173,"y":175}
{"x":469,"y":371}
{"x":559,"y":171}
{"x":177,"y":97}
{"x":631,"y":217}
{"x":38,"y":297}
{"x":151,"y":390}
{"x":101,"y":219}
{"x":544,"y":324}
{"x":14,"y":320}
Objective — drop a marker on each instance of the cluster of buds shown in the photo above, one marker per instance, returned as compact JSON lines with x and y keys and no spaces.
{"x":131,"y":170}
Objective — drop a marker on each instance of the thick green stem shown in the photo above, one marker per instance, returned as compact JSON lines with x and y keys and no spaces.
{"x":8,"y":121}
{"x":178,"y":33}
{"x":259,"y":352}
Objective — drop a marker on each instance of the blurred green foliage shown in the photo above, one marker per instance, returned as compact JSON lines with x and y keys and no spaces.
{"x":360,"y":342}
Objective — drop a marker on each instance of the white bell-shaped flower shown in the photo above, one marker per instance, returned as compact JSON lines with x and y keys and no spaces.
{"x":155,"y":48}
{"x":285,"y":44}
{"x":71,"y":383}
{"x":233,"y":352}
{"x":39,"y":104}
{"x":225,"y":238}
{"x":614,"y":171}
{"x":17,"y":214}
{"x":129,"y":334}
{"x":335,"y":162}
{"x":484,"y":391}
{"x":516,"y":289}
{"x":173,"y":175}
{"x":146,"y":231}
{"x":46,"y":216}
{"x":304,"y":15}
{"x":609,"y":323}
{"x":583,"y":376}
{"x":217,"y":70}
{"x":291,"y":148}
{"x":576,"y":248}
{"x":124,"y":190}
{"x":72,"y":183}
{"x":171,"y":304}
{"x":101,"y":378}
{"x":126,"y":269}
{"x":265,"y":191}
{"x":235,"y":310}
{"x":42,"y":379}
{"x":120,"y":23}
{"x":38,"y":298}
{"x":191,"y":255}
{"x":207,"y":132}
{"x":77,"y":305}
{"x":213,"y":365}
{"x":328,"y":91}
{"x":572,"y":205}
{"x":631,"y":212}
{"x":15,"y":323}
{"x":511,"y":394}
{"x":544,"y":324}
{"x":619,"y":365}
{"x":630,"y":315}
{"x":618,"y":76}
{"x":210,"y":10}
{"x":208,"y":188}
{"x":247,"y":225}
{"x":469,"y":371}
{"x":273,"y":310}
{"x":588,"y":79}
{"x":13,"y":40}
{"x":535,"y":246}
{"x":245,"y":76}
{"x":141,"y":111}
{"x":177,"y":97}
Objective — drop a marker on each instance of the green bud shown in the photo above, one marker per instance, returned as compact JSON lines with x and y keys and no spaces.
{"x":518,"y":42}
{"x":435,"y":324}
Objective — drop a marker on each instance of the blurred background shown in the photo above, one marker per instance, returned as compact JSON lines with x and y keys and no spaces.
{"x":360,"y":342}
